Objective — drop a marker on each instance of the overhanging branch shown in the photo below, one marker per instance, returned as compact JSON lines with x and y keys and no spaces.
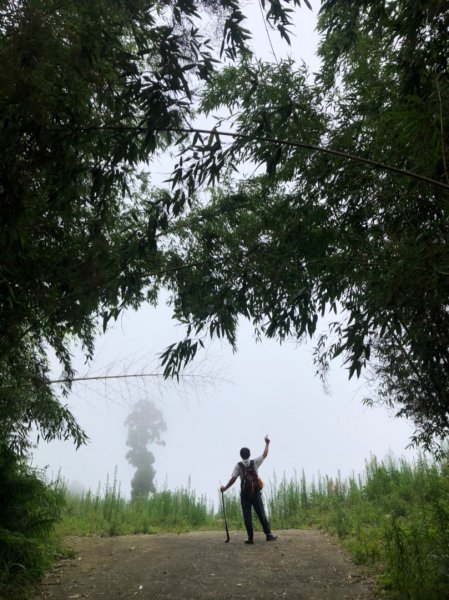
{"x":298,"y":144}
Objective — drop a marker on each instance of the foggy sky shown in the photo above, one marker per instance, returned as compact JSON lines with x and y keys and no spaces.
{"x":234,"y":401}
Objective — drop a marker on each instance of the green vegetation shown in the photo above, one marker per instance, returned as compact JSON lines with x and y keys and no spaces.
{"x":89,"y":93}
{"x":394,"y":519}
{"x":344,"y":209}
{"x":111,"y":514}
{"x":29,"y":509}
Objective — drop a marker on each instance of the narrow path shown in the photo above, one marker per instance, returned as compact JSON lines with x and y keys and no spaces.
{"x":300,"y":565}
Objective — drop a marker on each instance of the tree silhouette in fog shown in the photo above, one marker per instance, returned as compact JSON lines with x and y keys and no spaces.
{"x":145,"y":425}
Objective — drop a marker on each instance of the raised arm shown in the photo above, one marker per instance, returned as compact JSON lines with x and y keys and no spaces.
{"x":267,"y":447}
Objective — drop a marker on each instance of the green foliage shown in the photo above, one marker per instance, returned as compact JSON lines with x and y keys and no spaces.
{"x":29,"y":509}
{"x":76,"y":83}
{"x":26,"y":400}
{"x":310,"y":233}
{"x":394,"y":519}
{"x":89,"y":92}
{"x":110,"y":514}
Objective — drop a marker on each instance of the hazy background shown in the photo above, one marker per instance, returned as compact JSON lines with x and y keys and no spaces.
{"x":226,"y":401}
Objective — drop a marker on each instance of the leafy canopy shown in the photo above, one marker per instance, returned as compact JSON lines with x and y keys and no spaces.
{"x":309,"y":233}
{"x":89,"y":92}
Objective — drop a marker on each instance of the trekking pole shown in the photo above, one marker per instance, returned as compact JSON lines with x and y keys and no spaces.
{"x":225,"y":520}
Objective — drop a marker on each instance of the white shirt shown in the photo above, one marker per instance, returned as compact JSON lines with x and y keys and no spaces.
{"x":238,"y":472}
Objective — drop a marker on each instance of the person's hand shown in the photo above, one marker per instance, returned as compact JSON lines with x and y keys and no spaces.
{"x":267,"y":439}
{"x":222,"y":488}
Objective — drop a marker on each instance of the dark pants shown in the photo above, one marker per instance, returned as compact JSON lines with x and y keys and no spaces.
{"x":256,"y":502}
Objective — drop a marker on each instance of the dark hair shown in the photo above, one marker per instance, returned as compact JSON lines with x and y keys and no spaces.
{"x":245,"y":453}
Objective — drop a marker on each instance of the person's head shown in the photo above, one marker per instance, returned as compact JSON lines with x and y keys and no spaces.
{"x":245,"y":453}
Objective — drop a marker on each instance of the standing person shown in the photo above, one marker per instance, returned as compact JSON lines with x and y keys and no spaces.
{"x":247,"y":470}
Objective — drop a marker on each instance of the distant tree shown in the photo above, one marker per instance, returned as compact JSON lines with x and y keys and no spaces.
{"x":317,"y":230}
{"x":145,"y":425}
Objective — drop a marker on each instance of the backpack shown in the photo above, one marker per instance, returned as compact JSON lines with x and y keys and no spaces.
{"x":251,"y":483}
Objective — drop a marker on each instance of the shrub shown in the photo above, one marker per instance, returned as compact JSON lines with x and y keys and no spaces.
{"x":29,"y":509}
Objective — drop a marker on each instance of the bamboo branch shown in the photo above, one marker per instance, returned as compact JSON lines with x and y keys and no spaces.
{"x":105,"y":377}
{"x":298,"y":144}
{"x":124,"y":376}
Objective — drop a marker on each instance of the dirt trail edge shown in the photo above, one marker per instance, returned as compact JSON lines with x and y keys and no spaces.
{"x":299,"y":565}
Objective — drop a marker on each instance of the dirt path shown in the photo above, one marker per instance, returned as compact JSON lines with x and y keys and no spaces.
{"x":300,"y":565}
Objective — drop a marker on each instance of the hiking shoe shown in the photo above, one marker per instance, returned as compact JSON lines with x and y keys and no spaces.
{"x":249,"y":542}
{"x":271,"y":537}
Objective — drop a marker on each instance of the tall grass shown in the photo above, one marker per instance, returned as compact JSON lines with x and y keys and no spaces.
{"x":393,"y":518}
{"x":109,"y":513}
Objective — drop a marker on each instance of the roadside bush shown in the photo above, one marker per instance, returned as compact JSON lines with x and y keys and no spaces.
{"x":29,"y":509}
